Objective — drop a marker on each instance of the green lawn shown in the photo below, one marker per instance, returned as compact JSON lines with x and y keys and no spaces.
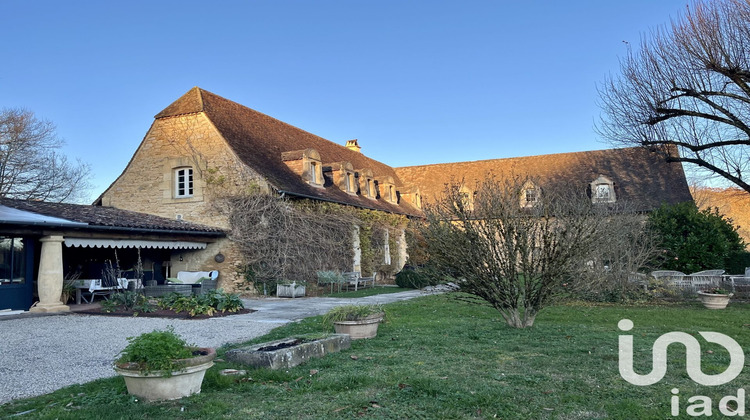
{"x":370,"y":291}
{"x":443,"y":357}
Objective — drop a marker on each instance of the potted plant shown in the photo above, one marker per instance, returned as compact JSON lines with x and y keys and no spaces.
{"x":715,"y":298}
{"x":160,"y":365}
{"x":359,"y":321}
{"x":68,"y":290}
{"x":292,"y":290}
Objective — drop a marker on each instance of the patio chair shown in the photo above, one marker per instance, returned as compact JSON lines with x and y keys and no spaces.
{"x":738,"y":284}
{"x":206,"y":283}
{"x":106,"y":286}
{"x":675,"y":279}
{"x":667,"y":274}
{"x":705,"y":279}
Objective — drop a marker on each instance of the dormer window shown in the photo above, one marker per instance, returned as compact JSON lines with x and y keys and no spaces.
{"x":467,"y":198}
{"x":183,"y":182}
{"x":351,"y":183}
{"x":603,"y":190}
{"x":305,"y":163}
{"x":342,"y":175}
{"x":314,"y":173}
{"x":530,"y":194}
{"x":368,"y":185}
{"x":411,"y":195}
{"x":388,"y":191}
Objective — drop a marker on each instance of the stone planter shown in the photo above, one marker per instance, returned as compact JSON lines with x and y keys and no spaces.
{"x":714,"y":300}
{"x":156,"y":386}
{"x":290,"y":290}
{"x":364,"y":328}
{"x":289,"y":352}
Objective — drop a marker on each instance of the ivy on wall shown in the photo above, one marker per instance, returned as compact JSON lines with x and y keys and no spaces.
{"x":290,"y":240}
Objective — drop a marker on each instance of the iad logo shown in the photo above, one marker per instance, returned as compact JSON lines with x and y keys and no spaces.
{"x":692,"y":353}
{"x":700,"y":405}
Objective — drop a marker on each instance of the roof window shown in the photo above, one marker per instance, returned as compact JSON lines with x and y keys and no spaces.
{"x":603,"y":190}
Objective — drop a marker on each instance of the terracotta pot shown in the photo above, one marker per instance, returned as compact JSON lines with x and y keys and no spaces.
{"x":156,"y":386}
{"x":714,"y":300}
{"x":364,"y":328}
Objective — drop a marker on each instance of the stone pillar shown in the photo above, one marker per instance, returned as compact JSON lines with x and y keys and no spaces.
{"x":403,"y":252}
{"x":357,"y":262}
{"x":50,"y":280}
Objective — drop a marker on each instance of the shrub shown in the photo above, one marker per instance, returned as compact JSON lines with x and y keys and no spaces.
{"x":737,"y":262}
{"x":223,"y":302}
{"x":129,"y":300}
{"x":693,"y":240}
{"x":206,"y":304}
{"x":415,"y":278}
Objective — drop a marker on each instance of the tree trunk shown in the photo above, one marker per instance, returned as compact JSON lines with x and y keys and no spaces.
{"x":514,"y":318}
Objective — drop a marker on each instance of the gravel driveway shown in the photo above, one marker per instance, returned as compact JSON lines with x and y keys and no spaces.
{"x":43,"y":353}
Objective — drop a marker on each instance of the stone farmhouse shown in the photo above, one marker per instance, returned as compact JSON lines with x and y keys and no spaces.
{"x":203,"y":147}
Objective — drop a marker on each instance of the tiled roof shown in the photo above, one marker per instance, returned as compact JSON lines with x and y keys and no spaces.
{"x":641,"y":178}
{"x":109,"y":217}
{"x":260,"y":141}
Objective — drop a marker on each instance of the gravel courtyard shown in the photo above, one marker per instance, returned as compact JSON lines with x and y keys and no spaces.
{"x":45,"y":353}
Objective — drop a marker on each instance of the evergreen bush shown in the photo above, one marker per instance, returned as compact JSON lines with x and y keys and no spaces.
{"x":694,"y":240}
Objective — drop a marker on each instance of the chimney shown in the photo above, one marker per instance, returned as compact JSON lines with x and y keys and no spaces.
{"x":352,"y":145}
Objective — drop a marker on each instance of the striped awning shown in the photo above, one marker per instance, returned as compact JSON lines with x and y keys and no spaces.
{"x":132,"y":243}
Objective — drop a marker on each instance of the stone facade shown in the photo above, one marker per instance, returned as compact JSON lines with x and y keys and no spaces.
{"x":148,"y":185}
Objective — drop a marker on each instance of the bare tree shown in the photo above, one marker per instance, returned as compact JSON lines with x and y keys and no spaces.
{"x":30,"y":167}
{"x":623,"y":250}
{"x":513,"y":253}
{"x":283,"y":240}
{"x":687,"y":89}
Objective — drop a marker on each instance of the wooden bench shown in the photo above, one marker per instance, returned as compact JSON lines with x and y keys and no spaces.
{"x":364,"y":280}
{"x":353,"y":278}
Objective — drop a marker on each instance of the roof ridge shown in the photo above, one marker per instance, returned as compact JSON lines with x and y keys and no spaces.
{"x":516,"y":158}
{"x":190,"y":102}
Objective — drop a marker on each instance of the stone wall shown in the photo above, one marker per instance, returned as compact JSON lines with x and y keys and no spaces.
{"x":148,"y":183}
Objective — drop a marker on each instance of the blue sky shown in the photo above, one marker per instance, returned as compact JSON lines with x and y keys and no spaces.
{"x":417,"y":82}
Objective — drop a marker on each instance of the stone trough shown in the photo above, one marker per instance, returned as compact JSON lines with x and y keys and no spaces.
{"x":289,"y":352}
